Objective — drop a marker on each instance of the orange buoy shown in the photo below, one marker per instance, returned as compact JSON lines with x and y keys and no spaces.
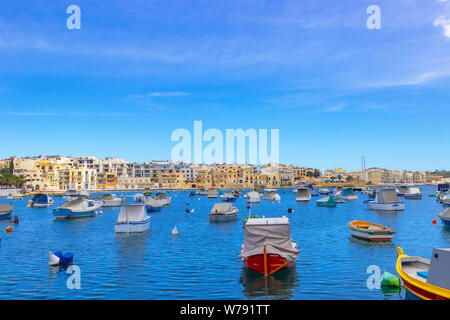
{"x":434,"y":221}
{"x":9,"y":229}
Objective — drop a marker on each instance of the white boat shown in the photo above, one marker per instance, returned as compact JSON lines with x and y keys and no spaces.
{"x":15,"y":196}
{"x":153,"y":205}
{"x":324,"y":191}
{"x":132,"y":219}
{"x":41,"y":200}
{"x":78,"y":208}
{"x":347,"y":194}
{"x":272,"y":196}
{"x":163,"y":198}
{"x":213,"y":193}
{"x":5,"y":211}
{"x":413,"y":193}
{"x":223,"y":212}
{"x":70,"y":195}
{"x":303,"y":194}
{"x":253,"y":197}
{"x":202,"y":192}
{"x":111,"y":200}
{"x":386,"y":200}
{"x":401,"y":190}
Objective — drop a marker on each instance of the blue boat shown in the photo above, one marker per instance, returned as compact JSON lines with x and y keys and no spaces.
{"x":79,"y":208}
{"x":228,"y":197}
{"x":41,"y":200}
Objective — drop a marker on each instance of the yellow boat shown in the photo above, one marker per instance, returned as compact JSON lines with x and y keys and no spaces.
{"x":424,"y":279}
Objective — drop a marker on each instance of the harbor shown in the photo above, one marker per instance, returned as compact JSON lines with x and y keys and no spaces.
{"x":201,"y":261}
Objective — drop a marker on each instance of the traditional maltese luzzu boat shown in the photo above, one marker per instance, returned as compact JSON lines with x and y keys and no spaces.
{"x":424,"y":279}
{"x":370,"y":231}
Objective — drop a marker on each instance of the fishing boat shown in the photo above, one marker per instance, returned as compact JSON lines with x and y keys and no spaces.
{"x":328,"y":202}
{"x":228,"y":197}
{"x":313,"y":193}
{"x":78,"y":208}
{"x":5,"y":211}
{"x":213,"y":193}
{"x":70,"y":195}
{"x":401,"y":190}
{"x":253,"y":197}
{"x":272,"y":196}
{"x":347,"y":194}
{"x":223,"y":212}
{"x":303,"y":194}
{"x":424,"y":279}
{"x":164,"y":198}
{"x":445,"y":216}
{"x":370,"y":231}
{"x":237,"y":193}
{"x":15,"y":196}
{"x":41,"y":200}
{"x":371,"y":193}
{"x":202,"y":192}
{"x":444,"y":199}
{"x":153,"y":205}
{"x":111,"y":200}
{"x":386,"y":200}
{"x":132,"y":219}
{"x":413,"y":193}
{"x":324,"y":191}
{"x":268,"y":246}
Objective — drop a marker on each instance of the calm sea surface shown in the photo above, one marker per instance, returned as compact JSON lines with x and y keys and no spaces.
{"x":202,"y":262}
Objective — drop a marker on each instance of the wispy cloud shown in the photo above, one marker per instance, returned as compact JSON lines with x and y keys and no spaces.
{"x":415,"y":80}
{"x":444,"y":23}
{"x":160,"y":94}
{"x":335,"y":108}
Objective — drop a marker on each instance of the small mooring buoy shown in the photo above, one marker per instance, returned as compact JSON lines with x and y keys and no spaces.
{"x":175,"y":231}
{"x":434,"y":221}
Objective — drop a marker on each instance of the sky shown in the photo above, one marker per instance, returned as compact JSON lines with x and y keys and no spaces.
{"x":138,"y":70}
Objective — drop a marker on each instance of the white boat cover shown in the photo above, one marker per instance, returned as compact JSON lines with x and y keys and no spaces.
{"x":303,"y":192}
{"x":132,"y":213}
{"x":5,"y":208}
{"x":109,"y":197}
{"x":213,"y":191}
{"x":445,"y":214}
{"x":386,"y":196}
{"x":80,"y":205}
{"x":227,"y":195}
{"x":162,"y":196}
{"x":253,"y":194}
{"x":272,"y":195}
{"x":221,"y":208}
{"x":413,"y":190}
{"x":275,"y":233}
{"x":153,"y":203}
{"x":74,"y":204}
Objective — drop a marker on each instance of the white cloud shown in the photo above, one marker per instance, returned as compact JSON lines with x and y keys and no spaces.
{"x":444,"y":23}
{"x":160,"y":94}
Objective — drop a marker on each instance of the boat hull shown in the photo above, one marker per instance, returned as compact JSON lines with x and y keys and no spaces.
{"x":326,"y":204}
{"x":302,"y":199}
{"x":222,"y":217}
{"x":386,"y":206}
{"x":112,"y":203}
{"x":153,"y":209}
{"x":6,"y":215}
{"x":413,"y":196}
{"x":375,"y":237}
{"x":132,"y":227}
{"x":274,"y":263}
{"x":67,"y":214}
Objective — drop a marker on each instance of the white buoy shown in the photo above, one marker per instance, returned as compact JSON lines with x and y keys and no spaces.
{"x":175,"y":231}
{"x":192,"y":210}
{"x":53,"y":260}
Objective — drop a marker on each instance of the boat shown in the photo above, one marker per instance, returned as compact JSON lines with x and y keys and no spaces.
{"x":78,"y":208}
{"x":41,"y":200}
{"x":444,"y":199}
{"x":401,"y":190}
{"x":272,"y":196}
{"x":15,"y":196}
{"x":386,"y":200}
{"x":70,"y":195}
{"x":442,"y":188}
{"x":223,"y":212}
{"x":164,"y":198}
{"x":313,"y":193}
{"x":303,"y":194}
{"x":324,"y":191}
{"x":6,"y":211}
{"x":413,"y":193}
{"x":328,"y":202}
{"x":445,"y":216}
{"x":192,"y":194}
{"x":424,"y":279}
{"x":347,"y":194}
{"x":228,"y":197}
{"x":153,"y":205}
{"x":202,"y":192}
{"x":213,"y":193}
{"x":147,"y":192}
{"x":132,"y":219}
{"x":268,"y":246}
{"x":370,"y":231}
{"x":111,"y":200}
{"x":237,"y":193}
{"x":253,"y":197}
{"x":339,"y":200}
{"x":371,"y":193}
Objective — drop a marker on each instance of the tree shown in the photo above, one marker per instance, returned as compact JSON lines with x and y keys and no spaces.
{"x":339,"y":177}
{"x":349,"y":179}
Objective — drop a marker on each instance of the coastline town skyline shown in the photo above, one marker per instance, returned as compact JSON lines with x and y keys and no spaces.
{"x":57,"y":173}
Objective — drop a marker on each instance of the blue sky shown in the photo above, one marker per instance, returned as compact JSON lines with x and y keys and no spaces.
{"x":137,"y":70}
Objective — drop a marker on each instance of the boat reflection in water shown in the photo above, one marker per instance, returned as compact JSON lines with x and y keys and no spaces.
{"x":279,"y":285}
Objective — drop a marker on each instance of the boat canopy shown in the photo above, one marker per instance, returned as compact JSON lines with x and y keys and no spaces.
{"x":213,"y":191}
{"x":73,"y":204}
{"x":274,"y":233}
{"x":40,"y":199}
{"x":221,"y":208}
{"x":5,"y":208}
{"x":153,"y":203}
{"x":109,"y":196}
{"x":386,"y":196}
{"x":132,"y":213}
{"x":162,"y":196}
{"x":347,"y":192}
{"x":414,"y":190}
{"x":303,"y":192}
{"x":445,"y":214}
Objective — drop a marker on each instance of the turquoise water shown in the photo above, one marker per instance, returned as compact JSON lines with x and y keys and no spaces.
{"x":202,"y":262}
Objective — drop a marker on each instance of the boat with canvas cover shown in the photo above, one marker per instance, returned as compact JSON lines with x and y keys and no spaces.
{"x":223,"y":212}
{"x":228,"y":197}
{"x":324,"y":191}
{"x":272,"y":196}
{"x":111,"y":200}
{"x":41,"y":200}
{"x":253,"y":197}
{"x":370,"y":231}
{"x":413,"y":193}
{"x":202,"y":192}
{"x":132,"y":219}
{"x":70,"y":195}
{"x":15,"y":196}
{"x":268,"y":246}
{"x":153,"y":205}
{"x":425,"y":279}
{"x":386,"y":200}
{"x":303,"y":195}
{"x":5,"y":211}
{"x":347,"y":194}
{"x":213,"y":193}
{"x":328,"y":202}
{"x":164,"y":198}
{"x":445,"y":216}
{"x":401,"y":190}
{"x":78,"y":208}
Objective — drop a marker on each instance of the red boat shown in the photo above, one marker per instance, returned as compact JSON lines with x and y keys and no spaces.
{"x":268,"y":246}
